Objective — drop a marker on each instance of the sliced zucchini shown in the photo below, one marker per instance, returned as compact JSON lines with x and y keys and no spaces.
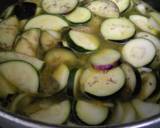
{"x":142,"y":8}
{"x":73,"y":86}
{"x":139,"y":52}
{"x":122,"y":4}
{"x":129,"y":113}
{"x":145,"y":109}
{"x":143,"y":23}
{"x":48,"y":41}
{"x":155,"y":16}
{"x":48,"y":84}
{"x":104,"y":8}
{"x":156,"y":63}
{"x":58,"y":56}
{"x":8,"y":56}
{"x":19,"y":101}
{"x":79,"y":15}
{"x":28,"y":43}
{"x":105,"y":59}
{"x":57,"y":113}
{"x":25,"y":10}
{"x":32,"y":36}
{"x":149,"y":83}
{"x":91,"y":113}
{"x":6,"y":88}
{"x":154,"y":24}
{"x":102,"y":83}
{"x":117,"y":29}
{"x":46,"y":22}
{"x":59,"y":6}
{"x":23,"y":46}
{"x":133,"y":82}
{"x":61,"y":74}
{"x":8,"y":32}
{"x":117,"y":114}
{"x":20,"y":74}
{"x":82,"y":42}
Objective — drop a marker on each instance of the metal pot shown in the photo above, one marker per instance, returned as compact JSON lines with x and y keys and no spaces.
{"x":9,"y":120}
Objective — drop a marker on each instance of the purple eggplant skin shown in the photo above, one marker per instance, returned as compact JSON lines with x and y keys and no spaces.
{"x":25,"y":10}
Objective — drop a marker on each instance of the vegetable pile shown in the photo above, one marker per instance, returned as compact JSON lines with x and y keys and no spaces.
{"x":80,"y":62}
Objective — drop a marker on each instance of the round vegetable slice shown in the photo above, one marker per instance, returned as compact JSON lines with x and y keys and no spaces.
{"x":59,"y":6}
{"x":91,"y":113}
{"x":79,"y":15}
{"x":105,"y":59}
{"x":82,"y":42}
{"x":21,"y":74}
{"x":156,"y":63}
{"x":104,"y":8}
{"x":102,"y":83}
{"x":139,"y":52}
{"x":117,"y":29}
{"x":46,"y":22}
{"x":58,"y":56}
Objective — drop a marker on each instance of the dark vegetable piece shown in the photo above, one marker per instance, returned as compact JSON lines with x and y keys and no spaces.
{"x":25,"y":10}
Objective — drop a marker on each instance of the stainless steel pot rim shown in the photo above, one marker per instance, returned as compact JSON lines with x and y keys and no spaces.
{"x":28,"y":123}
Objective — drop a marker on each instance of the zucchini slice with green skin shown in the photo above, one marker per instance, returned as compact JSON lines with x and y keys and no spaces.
{"x":46,"y":22}
{"x":57,"y":113}
{"x":104,"y":8}
{"x":82,"y":42}
{"x":79,"y":15}
{"x":73,"y":87}
{"x":156,"y":63}
{"x":149,"y":84}
{"x":8,"y":56}
{"x":61,"y":74}
{"x":102,"y":84}
{"x":117,"y":29}
{"x":139,"y":52}
{"x":59,"y":6}
{"x":122,"y":4}
{"x":105,"y":59}
{"x":21,"y":74}
{"x":91,"y":113}
{"x":58,"y":56}
{"x":132,"y":85}
{"x":8,"y":31}
{"x":145,"y":109}
{"x":6,"y":88}
{"x":143,"y":23}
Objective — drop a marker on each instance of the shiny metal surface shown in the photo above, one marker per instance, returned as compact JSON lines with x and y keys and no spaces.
{"x":8,"y":120}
